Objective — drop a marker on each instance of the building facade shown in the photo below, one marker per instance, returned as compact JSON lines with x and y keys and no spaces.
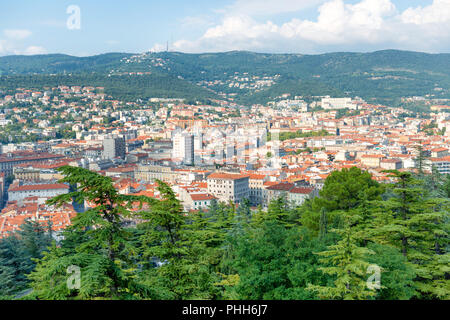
{"x":19,"y":192}
{"x":183,"y":148}
{"x":114,"y":147}
{"x":228,"y":187}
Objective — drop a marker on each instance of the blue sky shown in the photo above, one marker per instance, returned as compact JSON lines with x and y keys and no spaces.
{"x":294,"y":26}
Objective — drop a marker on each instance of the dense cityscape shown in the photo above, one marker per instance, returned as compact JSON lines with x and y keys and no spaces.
{"x":206,"y":170}
{"x":288,"y":147}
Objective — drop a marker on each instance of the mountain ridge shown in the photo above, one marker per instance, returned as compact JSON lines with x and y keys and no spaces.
{"x":251,"y":77}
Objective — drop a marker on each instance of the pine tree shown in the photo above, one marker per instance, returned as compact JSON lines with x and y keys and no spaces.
{"x":278,"y":210}
{"x":7,"y":278}
{"x":183,"y":246}
{"x":323,"y":224}
{"x":420,"y":159}
{"x":17,"y":254}
{"x":418,"y":227}
{"x":96,"y":242}
{"x":343,"y":190}
{"x":348,"y":263}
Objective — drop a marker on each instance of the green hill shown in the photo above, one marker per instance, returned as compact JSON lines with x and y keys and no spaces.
{"x":387,"y":74}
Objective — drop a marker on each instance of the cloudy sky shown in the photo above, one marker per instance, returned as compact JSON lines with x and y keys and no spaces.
{"x":280,"y":26}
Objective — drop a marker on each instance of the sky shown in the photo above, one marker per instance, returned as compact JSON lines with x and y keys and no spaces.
{"x":90,"y":27}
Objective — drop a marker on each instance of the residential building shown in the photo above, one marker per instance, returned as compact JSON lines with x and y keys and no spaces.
{"x":296,"y":193}
{"x":372,"y":160}
{"x":391,"y":164}
{"x":17,"y":191}
{"x":114,"y":147}
{"x":183,"y":148}
{"x":228,"y":187}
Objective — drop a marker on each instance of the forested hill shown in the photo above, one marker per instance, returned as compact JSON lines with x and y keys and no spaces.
{"x":257,"y":77}
{"x":58,"y":63}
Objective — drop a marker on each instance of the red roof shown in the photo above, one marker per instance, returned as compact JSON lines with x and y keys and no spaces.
{"x":202,"y":197}
{"x":282,"y":187}
{"x":32,"y":187}
{"x":373,"y":156}
{"x":443,"y":159}
{"x":257,"y":176}
{"x":439,"y":150}
{"x":226,"y":176}
{"x":302,"y":190}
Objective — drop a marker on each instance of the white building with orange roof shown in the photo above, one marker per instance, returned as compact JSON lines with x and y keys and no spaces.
{"x":439,"y":152}
{"x":229,"y":187}
{"x":441,"y":164}
{"x":43,"y":190}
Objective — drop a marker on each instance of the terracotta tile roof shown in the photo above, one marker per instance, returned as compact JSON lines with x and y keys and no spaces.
{"x":281,"y":187}
{"x":439,"y":150}
{"x":32,"y":187}
{"x":302,"y":190}
{"x":257,"y":176}
{"x":226,"y":176}
{"x":202,"y":197}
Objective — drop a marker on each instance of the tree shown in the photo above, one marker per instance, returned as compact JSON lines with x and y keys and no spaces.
{"x":420,"y":159}
{"x":323,"y":224}
{"x":397,"y":276}
{"x":96,"y":242}
{"x":272,"y":262}
{"x":7,"y":277}
{"x":343,"y":191}
{"x":179,"y":250}
{"x":17,"y":254}
{"x":418,"y":227}
{"x":434,"y":182}
{"x":348,"y":262}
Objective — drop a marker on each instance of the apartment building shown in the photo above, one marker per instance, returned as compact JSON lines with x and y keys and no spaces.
{"x":9,"y":160}
{"x":338,"y":103}
{"x":372,"y":160}
{"x":183,"y":148}
{"x":391,"y":164}
{"x":441,"y":164}
{"x":229,"y":187}
{"x":114,"y":147}
{"x":295,"y":193}
{"x":257,"y":189}
{"x":17,"y":192}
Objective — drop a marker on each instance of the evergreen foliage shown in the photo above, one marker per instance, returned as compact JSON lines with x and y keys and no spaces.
{"x":358,"y":240}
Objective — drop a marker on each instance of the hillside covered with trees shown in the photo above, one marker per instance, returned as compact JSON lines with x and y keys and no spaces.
{"x":382,"y":75}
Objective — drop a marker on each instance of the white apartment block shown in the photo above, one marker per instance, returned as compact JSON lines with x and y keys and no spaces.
{"x":20,"y":192}
{"x":229,"y":187}
{"x":183,"y":148}
{"x":338,"y":103}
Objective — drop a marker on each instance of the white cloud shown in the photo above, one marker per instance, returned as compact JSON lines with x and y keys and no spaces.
{"x":368,"y":23}
{"x":158,"y":48}
{"x":5,"y":47}
{"x":17,"y":34}
{"x":235,"y":33}
{"x":340,"y":23}
{"x":436,"y":13}
{"x":13,"y":44}
{"x":32,"y":50}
